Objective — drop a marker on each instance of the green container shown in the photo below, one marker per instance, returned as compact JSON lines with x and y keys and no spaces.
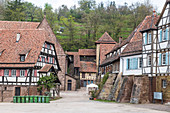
{"x":18,"y":99}
{"x":27,"y":99}
{"x":23,"y":99}
{"x":47,"y":100}
{"x":14,"y":99}
{"x":35,"y":99}
{"x":39,"y":99}
{"x":43,"y":99}
{"x":31,"y":99}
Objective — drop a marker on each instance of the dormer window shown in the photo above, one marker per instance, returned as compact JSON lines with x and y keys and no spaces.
{"x":22,"y":58}
{"x":18,"y":37}
{"x":1,"y":51}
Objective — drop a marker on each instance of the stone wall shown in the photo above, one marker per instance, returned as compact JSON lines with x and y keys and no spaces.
{"x":104,"y":94}
{"x":73,"y":83}
{"x":140,"y":90}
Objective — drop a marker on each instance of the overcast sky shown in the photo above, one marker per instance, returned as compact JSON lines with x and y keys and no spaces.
{"x":56,"y":3}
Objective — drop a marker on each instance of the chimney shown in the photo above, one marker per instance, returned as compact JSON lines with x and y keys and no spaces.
{"x":154,"y":13}
{"x":120,"y":40}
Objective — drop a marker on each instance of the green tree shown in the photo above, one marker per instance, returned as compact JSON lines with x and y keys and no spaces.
{"x":48,"y":82}
{"x":14,"y":11}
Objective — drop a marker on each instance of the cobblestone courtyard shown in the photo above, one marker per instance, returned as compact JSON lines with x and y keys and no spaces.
{"x":77,"y":102}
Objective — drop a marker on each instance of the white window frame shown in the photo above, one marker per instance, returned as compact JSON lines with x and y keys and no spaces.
{"x":13,"y":72}
{"x":163,"y":60}
{"x":164,"y":83}
{"x":6,"y":72}
{"x":149,"y":60}
{"x":149,"y":38}
{"x":22,"y":73}
{"x":163,"y":35}
{"x":140,"y":62}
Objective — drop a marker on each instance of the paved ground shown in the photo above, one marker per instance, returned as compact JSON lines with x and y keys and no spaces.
{"x":74,"y":102}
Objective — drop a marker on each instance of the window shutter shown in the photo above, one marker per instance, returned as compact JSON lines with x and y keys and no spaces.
{"x":146,"y":38}
{"x":166,"y":34}
{"x":127,"y":63}
{"x":25,"y":73}
{"x":9,"y":72}
{"x":17,"y":73}
{"x":131,"y":63}
{"x":160,"y":58}
{"x":160,"y":39}
{"x":136,"y":63}
{"x":166,"y":58}
{"x":35,"y":73}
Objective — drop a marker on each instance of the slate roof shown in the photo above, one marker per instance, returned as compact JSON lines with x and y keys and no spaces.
{"x":106,"y":39}
{"x":87,"y":67}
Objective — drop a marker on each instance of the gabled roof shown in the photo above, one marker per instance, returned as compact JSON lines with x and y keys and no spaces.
{"x":87,"y":52}
{"x":167,"y":1}
{"x":46,"y":68}
{"x":133,"y":48}
{"x":30,"y":39}
{"x":150,"y":24}
{"x":106,"y":39}
{"x":87,"y":66}
{"x":18,"y":25}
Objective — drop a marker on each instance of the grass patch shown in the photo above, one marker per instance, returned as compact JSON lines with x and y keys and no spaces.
{"x":55,"y":98}
{"x":104,"y":100}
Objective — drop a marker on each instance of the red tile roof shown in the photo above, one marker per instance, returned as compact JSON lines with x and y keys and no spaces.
{"x":87,"y":67}
{"x":87,"y":52}
{"x":45,"y":69}
{"x":106,"y":39}
{"x":30,"y":40}
{"x":18,"y":25}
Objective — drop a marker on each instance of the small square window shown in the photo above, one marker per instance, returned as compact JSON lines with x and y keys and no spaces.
{"x":83,"y":75}
{"x":22,"y":58}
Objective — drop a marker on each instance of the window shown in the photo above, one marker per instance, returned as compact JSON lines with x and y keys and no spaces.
{"x":140,"y":62}
{"x":83,"y":75}
{"x":51,"y":60}
{"x":89,"y":74}
{"x":22,"y":73}
{"x":164,"y":34}
{"x":164,"y":83}
{"x":163,"y":58}
{"x":132,"y":63}
{"x":149,"y":38}
{"x":149,"y":60}
{"x":13,"y":73}
{"x":43,"y":59}
{"x":22,"y":58}
{"x":6,"y":72}
{"x":48,"y":46}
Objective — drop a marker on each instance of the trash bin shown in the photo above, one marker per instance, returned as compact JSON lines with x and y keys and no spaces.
{"x":43,"y":99}
{"x":23,"y":99}
{"x":14,"y":99}
{"x":31,"y":99}
{"x":18,"y":99}
{"x":27,"y":99}
{"x":39,"y":99}
{"x":47,"y":99}
{"x":35,"y":99}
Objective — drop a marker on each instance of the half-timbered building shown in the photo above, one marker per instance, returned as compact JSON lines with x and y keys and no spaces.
{"x":28,"y":51}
